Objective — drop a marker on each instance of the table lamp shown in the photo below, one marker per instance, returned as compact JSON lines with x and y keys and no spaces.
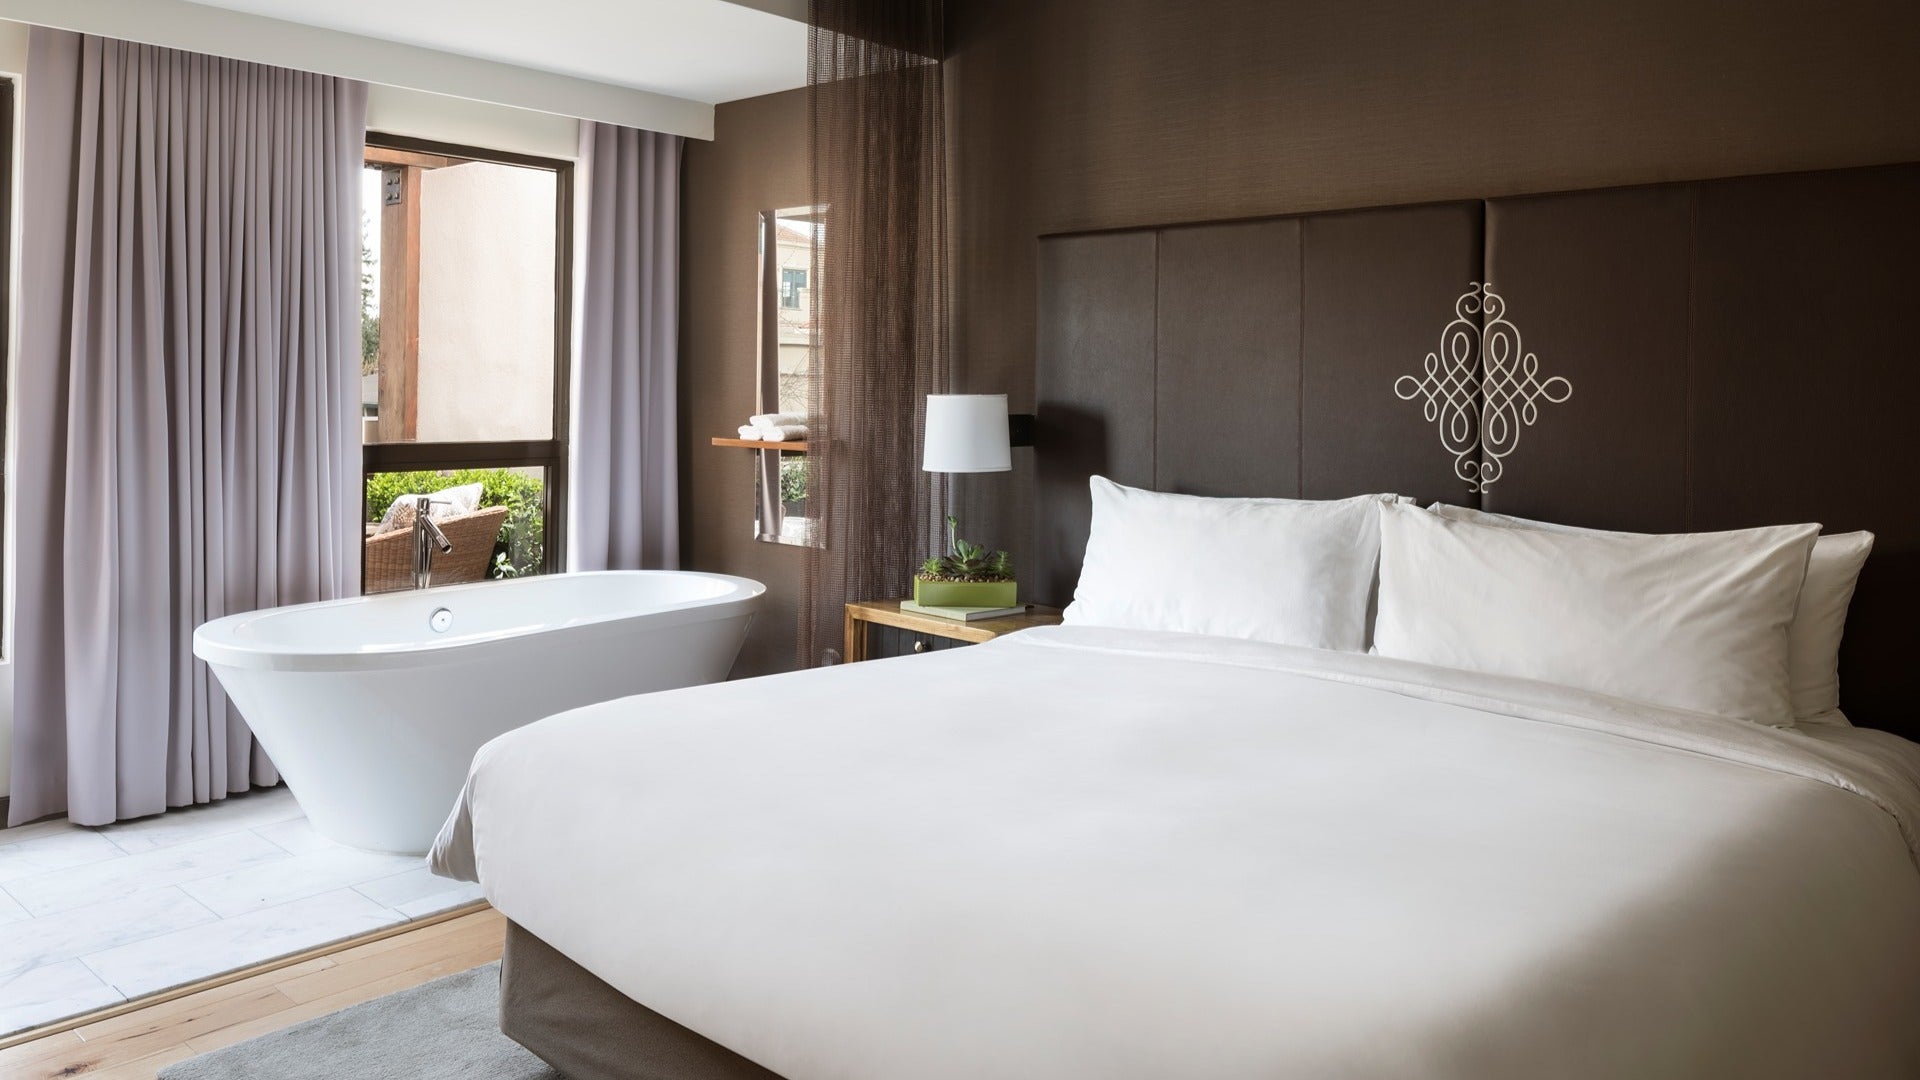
{"x":966,"y":433}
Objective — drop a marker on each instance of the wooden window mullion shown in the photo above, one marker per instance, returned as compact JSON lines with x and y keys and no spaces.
{"x":399,"y":415}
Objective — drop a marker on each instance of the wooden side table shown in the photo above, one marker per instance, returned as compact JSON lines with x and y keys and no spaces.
{"x":863,"y":613}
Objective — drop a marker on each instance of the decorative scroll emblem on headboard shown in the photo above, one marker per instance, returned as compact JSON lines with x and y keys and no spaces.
{"x":1478,"y":411}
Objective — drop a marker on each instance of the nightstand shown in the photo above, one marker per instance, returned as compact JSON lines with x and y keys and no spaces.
{"x":862,"y":613}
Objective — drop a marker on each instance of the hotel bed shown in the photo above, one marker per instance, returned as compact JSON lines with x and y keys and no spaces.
{"x":1430,"y":826}
{"x":1098,"y":853}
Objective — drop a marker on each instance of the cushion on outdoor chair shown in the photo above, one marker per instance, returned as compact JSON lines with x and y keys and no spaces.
{"x":447,"y":502}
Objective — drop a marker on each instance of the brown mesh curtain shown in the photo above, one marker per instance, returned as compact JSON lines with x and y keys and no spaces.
{"x":876,"y":129}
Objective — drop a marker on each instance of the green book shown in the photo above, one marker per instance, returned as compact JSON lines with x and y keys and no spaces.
{"x":963,"y":614}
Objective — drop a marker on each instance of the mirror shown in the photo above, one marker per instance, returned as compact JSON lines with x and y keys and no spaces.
{"x":784,"y":366}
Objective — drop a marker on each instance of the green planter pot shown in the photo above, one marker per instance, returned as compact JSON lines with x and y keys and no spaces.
{"x":966,"y":593}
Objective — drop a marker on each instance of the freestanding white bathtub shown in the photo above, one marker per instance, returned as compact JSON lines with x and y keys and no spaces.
{"x":372,"y":707}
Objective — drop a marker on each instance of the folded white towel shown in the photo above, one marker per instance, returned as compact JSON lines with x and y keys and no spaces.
{"x":775,"y":419}
{"x":748,"y":431}
{"x":781,"y":432}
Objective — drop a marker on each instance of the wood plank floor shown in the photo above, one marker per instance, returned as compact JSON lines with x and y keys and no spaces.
{"x":136,"y":1045}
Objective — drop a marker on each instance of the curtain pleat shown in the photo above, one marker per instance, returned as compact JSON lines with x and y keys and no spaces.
{"x":876,"y":134}
{"x":625,"y":491}
{"x":189,"y":436}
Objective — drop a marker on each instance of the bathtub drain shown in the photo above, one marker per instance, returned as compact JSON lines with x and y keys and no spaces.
{"x":440,"y":620}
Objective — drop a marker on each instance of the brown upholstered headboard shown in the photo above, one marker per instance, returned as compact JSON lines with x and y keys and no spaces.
{"x":1739,"y":352}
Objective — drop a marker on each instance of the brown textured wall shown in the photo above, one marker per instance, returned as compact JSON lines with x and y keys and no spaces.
{"x":756,"y":161}
{"x":1090,"y":114}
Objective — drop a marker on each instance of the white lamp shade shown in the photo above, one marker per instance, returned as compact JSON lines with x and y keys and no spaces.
{"x":967,"y":433}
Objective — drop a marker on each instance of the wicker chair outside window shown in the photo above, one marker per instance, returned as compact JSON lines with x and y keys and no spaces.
{"x":390,"y":554}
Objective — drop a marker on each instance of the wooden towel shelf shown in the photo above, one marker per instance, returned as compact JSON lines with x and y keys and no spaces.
{"x":791,"y":446}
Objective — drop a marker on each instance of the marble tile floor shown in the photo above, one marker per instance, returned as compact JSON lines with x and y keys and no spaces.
{"x":93,"y":917}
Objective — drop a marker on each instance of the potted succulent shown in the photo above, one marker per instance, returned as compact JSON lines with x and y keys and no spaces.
{"x":968,"y":575}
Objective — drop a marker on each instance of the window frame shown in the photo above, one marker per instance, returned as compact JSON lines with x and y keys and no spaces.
{"x":8,"y":99}
{"x":550,"y":453}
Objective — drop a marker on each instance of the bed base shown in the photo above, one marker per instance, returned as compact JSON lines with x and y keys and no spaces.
{"x":589,"y":1031}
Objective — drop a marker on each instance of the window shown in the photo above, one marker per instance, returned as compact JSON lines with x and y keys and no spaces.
{"x":790,"y":237}
{"x":792,"y":284}
{"x":789,"y":240}
{"x":464,"y":292}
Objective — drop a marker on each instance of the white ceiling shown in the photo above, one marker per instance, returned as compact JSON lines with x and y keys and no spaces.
{"x":702,"y":50}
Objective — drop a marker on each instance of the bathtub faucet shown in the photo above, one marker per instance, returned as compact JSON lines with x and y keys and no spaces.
{"x":426,"y":536}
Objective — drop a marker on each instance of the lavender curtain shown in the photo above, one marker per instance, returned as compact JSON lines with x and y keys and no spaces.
{"x":625,"y":470}
{"x":188,"y":429}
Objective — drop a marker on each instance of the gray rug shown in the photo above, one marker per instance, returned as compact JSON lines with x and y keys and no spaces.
{"x":448,"y":1029}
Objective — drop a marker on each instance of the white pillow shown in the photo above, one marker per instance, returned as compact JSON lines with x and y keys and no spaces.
{"x":447,"y":502}
{"x":1290,"y":571}
{"x":1819,"y":619}
{"x":1692,"y":621}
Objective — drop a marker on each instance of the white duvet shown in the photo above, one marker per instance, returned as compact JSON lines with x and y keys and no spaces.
{"x":1080,"y":853}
